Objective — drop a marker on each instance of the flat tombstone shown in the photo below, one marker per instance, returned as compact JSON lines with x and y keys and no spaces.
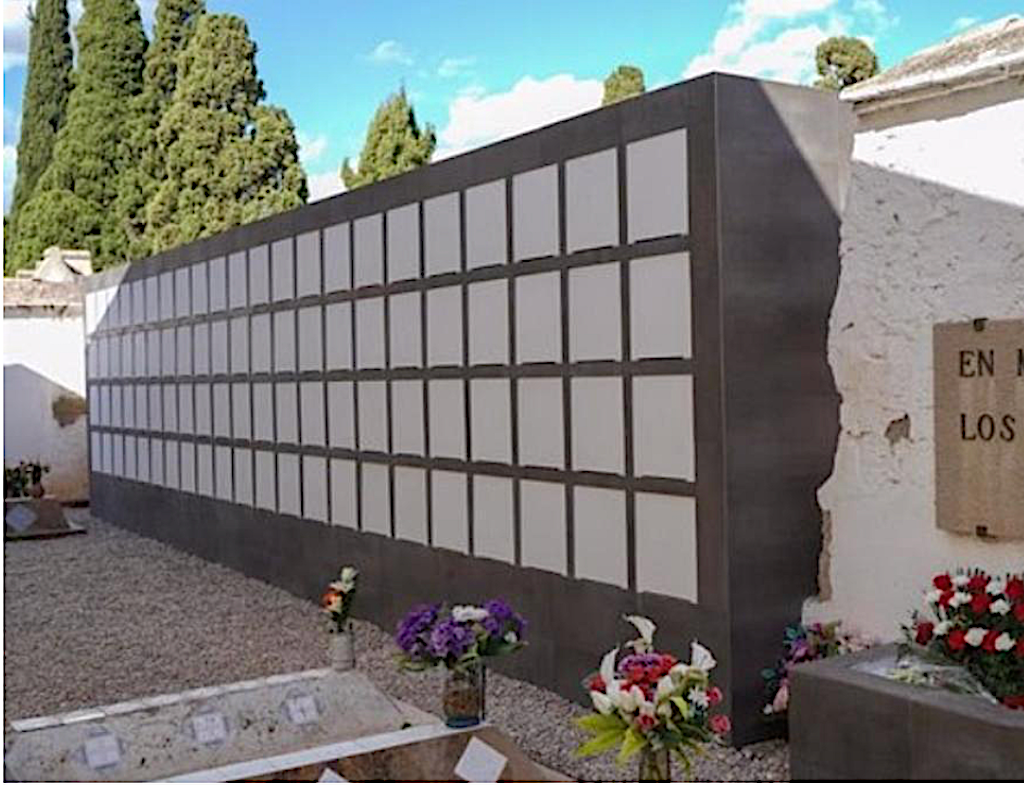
{"x":979,"y":427}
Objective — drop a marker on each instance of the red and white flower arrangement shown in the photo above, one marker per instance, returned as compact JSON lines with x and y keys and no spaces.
{"x":648,"y":701}
{"x":336,"y":602}
{"x":977,"y":621}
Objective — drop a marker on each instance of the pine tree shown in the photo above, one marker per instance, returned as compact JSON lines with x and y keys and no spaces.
{"x":45,"y":100}
{"x":843,"y":61}
{"x":394,"y":144}
{"x":88,"y":157}
{"x":227,"y":159}
{"x":176,"y":21}
{"x":624,"y":82}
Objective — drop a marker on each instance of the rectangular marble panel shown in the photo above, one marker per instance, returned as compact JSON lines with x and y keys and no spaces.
{"x":493,"y":535}
{"x":311,"y":353}
{"x":535,"y":213}
{"x":343,"y":493}
{"x":337,"y":264}
{"x":599,"y":516}
{"x":314,"y":488}
{"x":307,"y":247}
{"x":376,"y":499}
{"x":282,"y":269}
{"x":656,"y":186}
{"x":369,"y":250}
{"x":543,"y":527}
{"x":441,"y":234}
{"x":311,"y":397}
{"x":340,"y":414}
{"x":339,"y":336}
{"x":411,"y":504}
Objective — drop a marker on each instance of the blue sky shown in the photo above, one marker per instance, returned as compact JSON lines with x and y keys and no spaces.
{"x":483,"y":71}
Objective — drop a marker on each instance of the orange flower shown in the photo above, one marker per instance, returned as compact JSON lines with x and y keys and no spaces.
{"x":328,"y":598}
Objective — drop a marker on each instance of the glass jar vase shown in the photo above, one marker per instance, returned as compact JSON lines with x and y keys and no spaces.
{"x":342,"y":648}
{"x":465,"y":689}
{"x":655,"y":765}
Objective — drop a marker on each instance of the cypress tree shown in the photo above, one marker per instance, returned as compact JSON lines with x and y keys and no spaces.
{"x":394,"y":144}
{"x":624,"y":82}
{"x":176,"y":21}
{"x":45,"y":100}
{"x":227,"y":159}
{"x":88,"y":157}
{"x":843,"y":61}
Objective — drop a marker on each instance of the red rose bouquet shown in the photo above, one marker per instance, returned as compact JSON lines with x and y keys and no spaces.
{"x":977,"y":621}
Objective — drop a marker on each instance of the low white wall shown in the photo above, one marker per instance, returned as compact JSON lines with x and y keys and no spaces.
{"x":44,"y":359}
{"x":933,"y":231}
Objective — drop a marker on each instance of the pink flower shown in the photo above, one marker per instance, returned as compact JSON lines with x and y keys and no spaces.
{"x":714,"y":696}
{"x":720,"y":724}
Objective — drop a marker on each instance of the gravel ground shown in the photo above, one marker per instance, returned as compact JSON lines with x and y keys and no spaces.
{"x":109,"y":616}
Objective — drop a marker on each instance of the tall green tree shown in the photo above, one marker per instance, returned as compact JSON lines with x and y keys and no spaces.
{"x":624,"y":82}
{"x":88,"y":157}
{"x":843,"y":61}
{"x":176,"y":21}
{"x":227,"y":158}
{"x":47,"y":84}
{"x":394,"y":144}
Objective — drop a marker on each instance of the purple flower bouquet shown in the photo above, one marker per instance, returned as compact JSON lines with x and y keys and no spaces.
{"x":460,"y":639}
{"x":432,"y":635}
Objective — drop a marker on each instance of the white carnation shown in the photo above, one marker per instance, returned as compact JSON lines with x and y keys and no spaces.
{"x":959,"y":598}
{"x":468,"y":613}
{"x":1004,"y":642}
{"x":996,"y":586}
{"x":961,"y":579}
{"x":1000,"y":607}
{"x":932,"y":597}
{"x":975,"y":636}
{"x":942,"y":628}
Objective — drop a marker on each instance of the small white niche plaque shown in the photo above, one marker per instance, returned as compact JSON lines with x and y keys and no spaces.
{"x":302,"y":709}
{"x":102,"y":751}
{"x":480,"y":762}
{"x":210,"y":728}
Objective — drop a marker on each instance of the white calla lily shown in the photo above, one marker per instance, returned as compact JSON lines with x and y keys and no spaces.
{"x":646,"y":628}
{"x":701,"y":657}
{"x":602,"y":703}
{"x":607,"y":669}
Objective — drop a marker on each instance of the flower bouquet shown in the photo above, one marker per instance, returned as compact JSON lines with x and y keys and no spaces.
{"x":460,"y":640}
{"x":976,"y":621}
{"x":649,"y":703}
{"x":805,"y":643}
{"x":336,"y":604}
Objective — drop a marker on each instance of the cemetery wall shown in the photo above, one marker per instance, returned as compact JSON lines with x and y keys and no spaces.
{"x":44,"y":384}
{"x":583,"y":369}
{"x":933,"y":231}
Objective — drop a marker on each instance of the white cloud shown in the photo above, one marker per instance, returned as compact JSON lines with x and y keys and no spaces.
{"x":390,"y":52}
{"x":10,"y":170}
{"x":963,"y":22}
{"x":453,"y":66}
{"x":311,"y":147}
{"x":476,"y":117}
{"x":324,"y":184}
{"x":15,"y":33}
{"x":776,"y":39}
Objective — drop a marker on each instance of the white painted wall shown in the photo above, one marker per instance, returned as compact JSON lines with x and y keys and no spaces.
{"x":44,"y":357}
{"x":933,"y":231}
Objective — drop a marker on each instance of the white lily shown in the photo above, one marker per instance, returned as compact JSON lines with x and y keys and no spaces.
{"x":666,"y":686}
{"x":646,"y":628}
{"x":961,"y":580}
{"x":943,"y":628}
{"x":701,"y":657}
{"x":698,"y":697}
{"x":602,"y":703}
{"x":607,"y":669}
{"x":1000,"y":607}
{"x":959,"y":598}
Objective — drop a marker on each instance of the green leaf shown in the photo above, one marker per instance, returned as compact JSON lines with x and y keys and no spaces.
{"x":597,"y":723}
{"x":600,"y":743}
{"x":632,"y":743}
{"x":682,"y":705}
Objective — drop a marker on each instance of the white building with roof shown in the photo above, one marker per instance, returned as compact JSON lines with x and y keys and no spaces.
{"x":933,"y":232}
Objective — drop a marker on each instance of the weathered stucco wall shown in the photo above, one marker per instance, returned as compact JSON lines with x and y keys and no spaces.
{"x":933,"y":231}
{"x":44,"y":368}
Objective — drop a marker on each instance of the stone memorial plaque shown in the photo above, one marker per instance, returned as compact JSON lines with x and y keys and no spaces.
{"x":979,"y":427}
{"x":480,"y":762}
{"x":302,"y":709}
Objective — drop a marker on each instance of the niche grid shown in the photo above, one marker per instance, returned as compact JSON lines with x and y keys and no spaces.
{"x":509,"y":377}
